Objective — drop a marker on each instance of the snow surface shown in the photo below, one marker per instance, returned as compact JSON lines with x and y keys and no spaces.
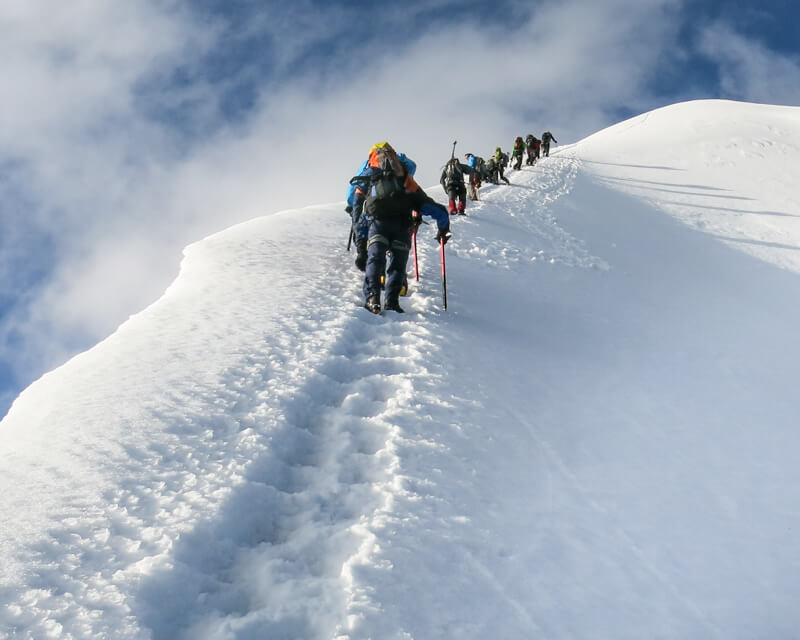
{"x":598,"y":438}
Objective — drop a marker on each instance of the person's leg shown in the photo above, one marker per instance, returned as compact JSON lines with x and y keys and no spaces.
{"x":451,"y":194}
{"x":503,"y":176}
{"x":377,"y":245}
{"x":396,"y":272}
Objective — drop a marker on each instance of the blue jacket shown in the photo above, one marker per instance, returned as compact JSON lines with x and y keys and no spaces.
{"x":438,"y":212}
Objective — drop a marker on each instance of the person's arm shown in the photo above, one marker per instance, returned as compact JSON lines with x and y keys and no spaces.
{"x":427,"y":206}
{"x":439,"y":213}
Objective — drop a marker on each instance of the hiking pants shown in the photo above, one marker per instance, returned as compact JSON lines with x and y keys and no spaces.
{"x":392,"y":235}
{"x":458,"y":194}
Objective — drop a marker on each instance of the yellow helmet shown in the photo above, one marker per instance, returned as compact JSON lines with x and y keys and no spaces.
{"x":381,"y":145}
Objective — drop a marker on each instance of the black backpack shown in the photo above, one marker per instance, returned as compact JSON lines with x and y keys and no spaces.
{"x":383,"y":184}
{"x":385,"y":189}
{"x":453,"y":174}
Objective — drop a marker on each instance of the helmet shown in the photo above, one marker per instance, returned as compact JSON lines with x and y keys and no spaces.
{"x":380,"y":145}
{"x":498,"y":149}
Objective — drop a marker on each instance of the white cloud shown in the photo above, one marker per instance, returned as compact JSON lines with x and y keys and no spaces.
{"x":748,"y":70}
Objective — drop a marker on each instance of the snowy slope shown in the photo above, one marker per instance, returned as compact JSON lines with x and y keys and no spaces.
{"x":596,"y":440}
{"x":725,"y":168}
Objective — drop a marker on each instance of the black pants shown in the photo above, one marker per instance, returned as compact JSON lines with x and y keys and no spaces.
{"x":458,"y":194}
{"x":387,"y":235}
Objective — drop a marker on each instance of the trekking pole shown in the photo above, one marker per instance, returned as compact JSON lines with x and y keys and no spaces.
{"x":414,"y":245}
{"x":444,"y":277}
{"x":453,"y":155}
{"x":352,"y":231}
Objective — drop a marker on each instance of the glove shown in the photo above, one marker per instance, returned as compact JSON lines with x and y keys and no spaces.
{"x":416,"y":220}
{"x":349,"y":209}
{"x":444,"y":235}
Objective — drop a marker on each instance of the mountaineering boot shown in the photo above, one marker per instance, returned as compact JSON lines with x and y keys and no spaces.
{"x":461,"y":207}
{"x":452,"y":207}
{"x":404,"y":287}
{"x":361,"y":254}
{"x":392,"y":304}
{"x":373,"y":303}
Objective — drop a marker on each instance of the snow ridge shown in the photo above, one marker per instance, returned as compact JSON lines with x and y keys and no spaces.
{"x":596,"y":440}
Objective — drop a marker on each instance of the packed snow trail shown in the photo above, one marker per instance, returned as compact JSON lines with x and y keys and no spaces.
{"x":245,"y":440}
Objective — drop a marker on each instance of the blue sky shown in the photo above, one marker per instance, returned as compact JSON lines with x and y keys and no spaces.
{"x":130,"y":130}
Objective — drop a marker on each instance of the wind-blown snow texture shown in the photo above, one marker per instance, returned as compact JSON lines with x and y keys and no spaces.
{"x":598,"y":439}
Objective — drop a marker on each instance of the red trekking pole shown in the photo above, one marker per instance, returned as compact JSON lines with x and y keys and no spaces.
{"x":444,"y":276}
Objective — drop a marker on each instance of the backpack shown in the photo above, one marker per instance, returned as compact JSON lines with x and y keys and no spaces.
{"x":408,"y":163}
{"x":479,"y":165}
{"x":384,"y":182}
{"x":530,"y":139}
{"x":453,"y":173}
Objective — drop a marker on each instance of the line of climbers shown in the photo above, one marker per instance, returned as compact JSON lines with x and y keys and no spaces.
{"x":493,"y":169}
{"x":386,"y":205}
